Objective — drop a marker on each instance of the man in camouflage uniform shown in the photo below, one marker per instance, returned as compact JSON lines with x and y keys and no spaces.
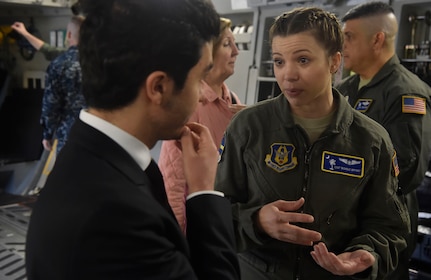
{"x":63,"y":98}
{"x":387,"y":92}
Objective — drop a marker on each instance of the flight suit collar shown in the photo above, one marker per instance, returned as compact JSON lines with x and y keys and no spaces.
{"x":343,"y":115}
{"x":385,"y":71}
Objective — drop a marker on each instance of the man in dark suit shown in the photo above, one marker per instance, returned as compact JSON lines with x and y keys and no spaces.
{"x":103,"y":212}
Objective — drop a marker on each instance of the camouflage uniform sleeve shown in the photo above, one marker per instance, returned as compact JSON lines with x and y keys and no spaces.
{"x":51,"y":103}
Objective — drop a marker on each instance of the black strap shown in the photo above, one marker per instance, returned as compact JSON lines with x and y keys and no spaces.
{"x":232,"y":97}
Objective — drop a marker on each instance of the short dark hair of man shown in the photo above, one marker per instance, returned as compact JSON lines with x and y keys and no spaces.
{"x":367,"y":10}
{"x":123,"y":41}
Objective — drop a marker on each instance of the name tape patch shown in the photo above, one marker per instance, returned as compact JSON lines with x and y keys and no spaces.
{"x":343,"y":164}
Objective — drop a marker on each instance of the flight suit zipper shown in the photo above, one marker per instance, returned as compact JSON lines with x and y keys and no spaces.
{"x":304,"y":192}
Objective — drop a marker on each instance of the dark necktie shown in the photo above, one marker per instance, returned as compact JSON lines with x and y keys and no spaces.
{"x":158,"y":186}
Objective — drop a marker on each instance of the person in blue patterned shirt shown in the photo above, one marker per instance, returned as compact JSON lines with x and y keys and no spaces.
{"x":50,"y":52}
{"x":63,"y":97}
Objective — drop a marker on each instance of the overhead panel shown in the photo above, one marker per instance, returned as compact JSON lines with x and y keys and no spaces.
{"x":46,"y":3}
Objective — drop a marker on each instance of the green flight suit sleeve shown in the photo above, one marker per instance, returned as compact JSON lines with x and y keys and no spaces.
{"x":384,"y":216}
{"x":410,"y":134}
{"x":232,"y":180}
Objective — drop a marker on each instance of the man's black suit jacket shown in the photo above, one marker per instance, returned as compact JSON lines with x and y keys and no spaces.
{"x":97,"y":217}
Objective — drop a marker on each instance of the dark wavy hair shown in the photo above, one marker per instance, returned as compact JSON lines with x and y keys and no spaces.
{"x":324,"y":26}
{"x":123,"y":41}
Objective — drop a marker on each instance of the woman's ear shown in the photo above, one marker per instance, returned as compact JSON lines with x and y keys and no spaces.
{"x":335,"y":62}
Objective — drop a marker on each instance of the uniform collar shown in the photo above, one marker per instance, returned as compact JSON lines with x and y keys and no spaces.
{"x":385,"y":71}
{"x":343,"y":114}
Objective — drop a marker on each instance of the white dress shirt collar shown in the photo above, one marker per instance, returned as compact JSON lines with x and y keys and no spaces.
{"x":135,"y":148}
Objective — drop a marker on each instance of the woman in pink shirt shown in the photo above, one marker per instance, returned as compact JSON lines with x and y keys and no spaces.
{"x":214,"y":111}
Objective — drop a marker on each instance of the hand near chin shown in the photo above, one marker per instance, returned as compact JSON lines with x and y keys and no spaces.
{"x":200,"y":157}
{"x":348,"y":263}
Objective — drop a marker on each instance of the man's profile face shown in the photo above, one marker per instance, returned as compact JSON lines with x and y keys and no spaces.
{"x":183,"y":103}
{"x":357,"y":46}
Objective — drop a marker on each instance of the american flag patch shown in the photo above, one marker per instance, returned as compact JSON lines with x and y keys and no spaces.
{"x":415,"y":105}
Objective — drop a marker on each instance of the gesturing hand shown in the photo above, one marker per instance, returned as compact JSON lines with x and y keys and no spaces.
{"x":348,"y":263}
{"x":276,"y":219}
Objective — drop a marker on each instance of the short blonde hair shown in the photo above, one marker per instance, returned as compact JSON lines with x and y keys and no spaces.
{"x":74,"y":25}
{"x":224,"y":24}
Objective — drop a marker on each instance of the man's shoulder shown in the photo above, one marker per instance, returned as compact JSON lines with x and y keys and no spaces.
{"x":346,"y":83}
{"x":66,"y":62}
{"x":406,"y":80}
{"x":370,"y":127}
{"x":70,"y":54}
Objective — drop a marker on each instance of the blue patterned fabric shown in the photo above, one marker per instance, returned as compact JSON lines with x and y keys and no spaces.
{"x":63,"y":98}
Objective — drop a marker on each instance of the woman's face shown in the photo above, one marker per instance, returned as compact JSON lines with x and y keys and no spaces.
{"x":224,"y":57}
{"x":303,"y":72}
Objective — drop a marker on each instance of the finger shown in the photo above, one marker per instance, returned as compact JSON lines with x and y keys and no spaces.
{"x":293,"y":217}
{"x":321,"y":256}
{"x":204,"y":142}
{"x":201,"y":131}
{"x":328,"y":260}
{"x":297,"y":235}
{"x":320,"y":260}
{"x":284,"y":205}
{"x":367,"y":259}
{"x":186,"y":140}
{"x":195,"y":141}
